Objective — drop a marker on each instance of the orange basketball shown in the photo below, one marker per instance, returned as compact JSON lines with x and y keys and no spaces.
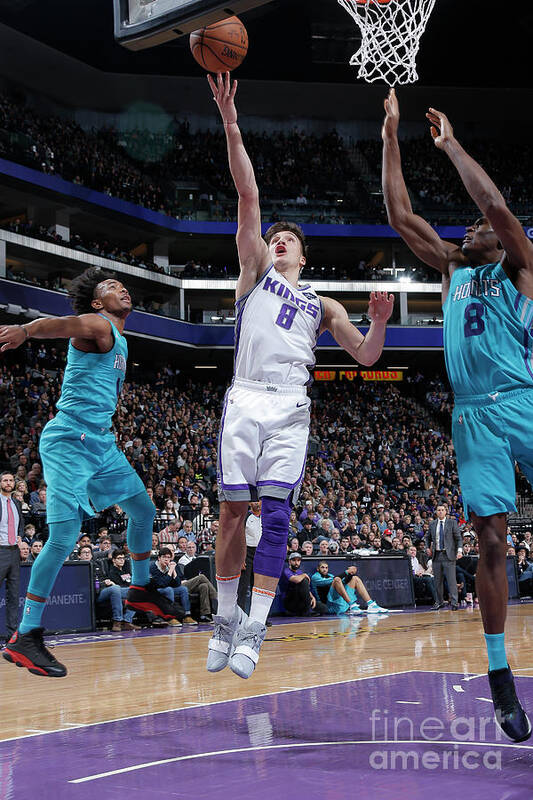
{"x":220,"y":47}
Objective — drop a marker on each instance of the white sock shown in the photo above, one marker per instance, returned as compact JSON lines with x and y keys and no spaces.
{"x":227,"y":595}
{"x":261,"y":602}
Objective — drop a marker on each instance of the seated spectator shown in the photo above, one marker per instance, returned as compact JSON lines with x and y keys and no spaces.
{"x":309,"y":531}
{"x":344,"y":546}
{"x":294,"y":545}
{"x":343,"y":593}
{"x":525,"y":571}
{"x":171,"y":533}
{"x":307,"y":548}
{"x":295,"y":588}
{"x":206,"y":541}
{"x":424,"y":582}
{"x":24,"y":550}
{"x":188,"y":531}
{"x":168,"y":514}
{"x":29,"y":533}
{"x":189,"y":555}
{"x":323,"y":548}
{"x":118,"y":575}
{"x":165,"y":576}
{"x":154,"y":552}
{"x":35,"y":549}
{"x":107,"y":591}
{"x":180,"y":549}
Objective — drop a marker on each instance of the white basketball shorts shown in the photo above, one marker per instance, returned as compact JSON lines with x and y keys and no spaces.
{"x":262,"y":444}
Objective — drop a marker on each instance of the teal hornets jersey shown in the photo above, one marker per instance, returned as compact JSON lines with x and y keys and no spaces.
{"x":93,"y":382}
{"x":487,"y":332}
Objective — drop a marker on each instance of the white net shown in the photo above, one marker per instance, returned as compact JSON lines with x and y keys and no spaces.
{"x":390,"y":31}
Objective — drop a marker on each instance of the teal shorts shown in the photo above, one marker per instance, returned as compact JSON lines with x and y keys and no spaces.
{"x":337,"y":604}
{"x":83,"y":468}
{"x":490,"y":433}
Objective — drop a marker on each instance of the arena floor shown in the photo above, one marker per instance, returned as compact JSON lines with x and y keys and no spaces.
{"x":392,"y":707}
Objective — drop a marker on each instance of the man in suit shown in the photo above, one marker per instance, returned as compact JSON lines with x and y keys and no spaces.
{"x":444,"y":539}
{"x":11,"y":527}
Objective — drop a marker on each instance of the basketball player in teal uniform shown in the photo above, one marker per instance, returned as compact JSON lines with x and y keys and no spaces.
{"x":488,"y":345}
{"x":81,"y":461}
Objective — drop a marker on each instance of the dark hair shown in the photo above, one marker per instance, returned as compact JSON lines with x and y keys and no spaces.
{"x":165,"y":551}
{"x":292,"y":227}
{"x":86,"y":547}
{"x":83,"y":287}
{"x":119,"y":553}
{"x":7,"y":472}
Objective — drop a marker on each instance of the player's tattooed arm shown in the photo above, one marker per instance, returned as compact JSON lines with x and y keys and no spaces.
{"x":253,"y":252}
{"x":418,"y":234}
{"x":365,"y":349}
{"x":484,"y":193}
{"x":88,"y":327}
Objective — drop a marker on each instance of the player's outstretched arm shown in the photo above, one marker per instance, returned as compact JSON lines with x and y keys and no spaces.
{"x":253,"y":252}
{"x":365,"y":349}
{"x":422,"y":239}
{"x":484,"y":193}
{"x":85,"y":326}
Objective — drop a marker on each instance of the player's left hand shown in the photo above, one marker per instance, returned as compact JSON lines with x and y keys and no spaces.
{"x":380,"y":306}
{"x":441,"y":129}
{"x":12,"y":336}
{"x":313,"y":600}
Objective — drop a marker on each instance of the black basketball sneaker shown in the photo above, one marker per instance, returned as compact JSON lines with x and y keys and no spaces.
{"x":510,"y":716}
{"x":28,"y":650}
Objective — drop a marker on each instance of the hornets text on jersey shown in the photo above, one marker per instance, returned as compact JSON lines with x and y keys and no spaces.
{"x":487,"y":333}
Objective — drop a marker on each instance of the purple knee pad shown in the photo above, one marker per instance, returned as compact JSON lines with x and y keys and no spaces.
{"x":272,"y":548}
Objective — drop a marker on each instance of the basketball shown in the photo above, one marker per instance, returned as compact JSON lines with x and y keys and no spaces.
{"x":220,"y":47}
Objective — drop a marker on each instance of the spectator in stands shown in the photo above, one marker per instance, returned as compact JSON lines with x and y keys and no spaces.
{"x":525,"y":571}
{"x":118,"y":574}
{"x":189,"y":555}
{"x":424,"y":583}
{"x":343,"y":594}
{"x":168,"y":581}
{"x":168,"y":514}
{"x":24,"y":550}
{"x":11,"y":529}
{"x":307,"y":548}
{"x":35,"y":549}
{"x":188,"y":531}
{"x":171,"y":533}
{"x":108,"y":592}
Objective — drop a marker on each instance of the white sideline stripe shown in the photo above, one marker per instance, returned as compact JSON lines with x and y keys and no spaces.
{"x":34,"y":731}
{"x":374,"y":742}
{"x":486,"y":699}
{"x":219,"y":702}
{"x":410,"y":702}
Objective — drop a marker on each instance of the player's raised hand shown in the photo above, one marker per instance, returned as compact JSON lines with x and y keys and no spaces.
{"x":392,"y":115}
{"x":223,"y":95}
{"x":380,"y":306}
{"x":12,"y":336}
{"x":441,"y":129}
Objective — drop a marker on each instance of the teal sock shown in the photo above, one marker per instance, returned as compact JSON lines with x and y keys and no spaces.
{"x":31,"y":616}
{"x":496,"y":650}
{"x":140,"y":572}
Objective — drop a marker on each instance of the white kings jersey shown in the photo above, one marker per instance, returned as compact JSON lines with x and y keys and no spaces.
{"x":276,"y":331}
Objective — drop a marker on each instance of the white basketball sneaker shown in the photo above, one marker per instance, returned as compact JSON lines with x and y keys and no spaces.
{"x":221,"y":643}
{"x":247,"y":644}
{"x":355,"y":609}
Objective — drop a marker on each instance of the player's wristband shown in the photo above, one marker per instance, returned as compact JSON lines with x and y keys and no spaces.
{"x":26,"y":331}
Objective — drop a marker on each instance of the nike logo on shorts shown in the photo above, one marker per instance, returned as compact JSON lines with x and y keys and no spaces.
{"x":300,"y":405}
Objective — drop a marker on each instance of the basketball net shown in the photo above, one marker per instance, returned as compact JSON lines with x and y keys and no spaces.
{"x":390,"y":31}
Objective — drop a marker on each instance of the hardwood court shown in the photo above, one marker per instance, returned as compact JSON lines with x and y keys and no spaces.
{"x":394,"y":708}
{"x":136,"y":675}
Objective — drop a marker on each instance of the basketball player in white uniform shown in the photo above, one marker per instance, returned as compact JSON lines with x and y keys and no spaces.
{"x":265,"y":420}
